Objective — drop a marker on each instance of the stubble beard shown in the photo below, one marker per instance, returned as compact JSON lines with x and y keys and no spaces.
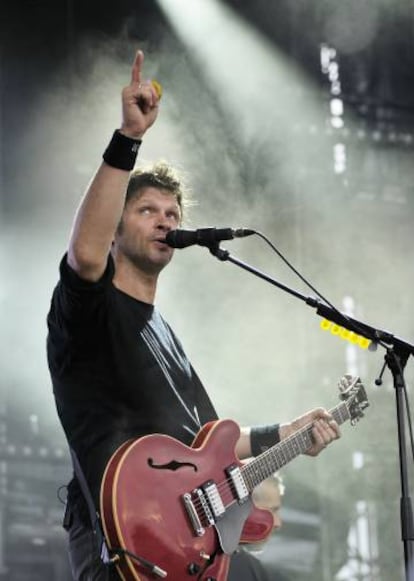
{"x":145,"y":264}
{"x":145,"y":258}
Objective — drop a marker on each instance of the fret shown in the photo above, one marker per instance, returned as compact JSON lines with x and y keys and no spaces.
{"x":284,"y":459}
{"x":305,"y":439}
{"x":246,"y":476}
{"x":341,"y":413}
{"x":269,"y":466}
{"x":290,"y":447}
{"x":279,"y":455}
{"x":274,"y":458}
{"x":295,"y":447}
{"x":336,"y":414}
{"x":283,"y":452}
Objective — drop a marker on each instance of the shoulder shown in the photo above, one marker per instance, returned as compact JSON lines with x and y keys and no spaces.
{"x":75,"y":300}
{"x":71,"y":279}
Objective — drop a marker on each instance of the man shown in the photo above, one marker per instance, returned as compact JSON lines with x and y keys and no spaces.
{"x":268,"y":495}
{"x":118,"y":370}
{"x":244,"y":565}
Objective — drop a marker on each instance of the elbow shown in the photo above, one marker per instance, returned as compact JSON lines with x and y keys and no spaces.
{"x":86,"y":262}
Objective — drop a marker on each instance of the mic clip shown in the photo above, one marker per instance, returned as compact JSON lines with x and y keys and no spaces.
{"x":218,"y":252}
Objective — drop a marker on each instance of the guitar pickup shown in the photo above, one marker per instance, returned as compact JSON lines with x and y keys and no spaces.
{"x":239,"y":485}
{"x":212,"y":494}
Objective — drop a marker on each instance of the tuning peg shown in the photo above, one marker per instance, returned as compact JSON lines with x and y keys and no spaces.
{"x":347,"y":382}
{"x":343,"y":383}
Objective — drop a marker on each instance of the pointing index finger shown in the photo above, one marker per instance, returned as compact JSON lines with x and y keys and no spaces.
{"x":136,"y":67}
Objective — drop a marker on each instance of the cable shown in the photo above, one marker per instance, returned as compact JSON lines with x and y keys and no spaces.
{"x":155,"y":570}
{"x":320,"y":295}
{"x":353,"y":324}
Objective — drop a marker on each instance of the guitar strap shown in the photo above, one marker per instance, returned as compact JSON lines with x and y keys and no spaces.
{"x":93,"y":513}
{"x":97,"y":527}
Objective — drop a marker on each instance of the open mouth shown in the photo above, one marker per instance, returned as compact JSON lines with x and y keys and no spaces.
{"x":161,"y":241}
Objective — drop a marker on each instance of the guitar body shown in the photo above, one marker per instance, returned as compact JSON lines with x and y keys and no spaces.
{"x":170,"y":510}
{"x":143,"y":511}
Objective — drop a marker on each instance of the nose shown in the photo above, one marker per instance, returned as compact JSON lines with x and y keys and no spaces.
{"x":277,"y":521}
{"x":164,"y":223}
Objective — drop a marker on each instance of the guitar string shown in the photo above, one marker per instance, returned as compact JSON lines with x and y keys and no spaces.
{"x":268,"y":458}
{"x":252,"y":472}
{"x":226,"y":486}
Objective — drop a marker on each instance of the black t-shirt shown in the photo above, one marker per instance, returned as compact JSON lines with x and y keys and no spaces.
{"x":118,"y":372}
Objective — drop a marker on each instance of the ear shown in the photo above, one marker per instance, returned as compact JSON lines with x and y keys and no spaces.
{"x":119,"y":228}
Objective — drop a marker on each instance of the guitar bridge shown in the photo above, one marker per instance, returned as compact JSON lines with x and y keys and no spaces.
{"x":193,"y":514}
{"x":204,"y":506}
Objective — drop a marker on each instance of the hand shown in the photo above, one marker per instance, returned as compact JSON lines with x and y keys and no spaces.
{"x":139,"y":102}
{"x":324,"y":429}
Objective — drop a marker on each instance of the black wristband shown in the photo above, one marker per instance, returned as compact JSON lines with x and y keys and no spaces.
{"x":263,"y":437}
{"x":122,"y":151}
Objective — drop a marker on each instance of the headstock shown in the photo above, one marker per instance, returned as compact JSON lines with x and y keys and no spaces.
{"x":352,"y":392}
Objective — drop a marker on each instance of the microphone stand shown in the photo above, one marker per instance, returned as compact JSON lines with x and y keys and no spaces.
{"x":396,"y":357}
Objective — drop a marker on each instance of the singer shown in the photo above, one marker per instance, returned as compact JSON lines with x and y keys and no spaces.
{"x":118,"y":370}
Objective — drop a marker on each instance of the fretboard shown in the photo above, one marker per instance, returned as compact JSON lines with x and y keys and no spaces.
{"x":282,"y":453}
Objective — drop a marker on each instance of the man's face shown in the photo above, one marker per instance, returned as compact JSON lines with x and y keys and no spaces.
{"x":144,"y":225}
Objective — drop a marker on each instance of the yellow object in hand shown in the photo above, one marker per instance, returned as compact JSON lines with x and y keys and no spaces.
{"x":158,"y":88}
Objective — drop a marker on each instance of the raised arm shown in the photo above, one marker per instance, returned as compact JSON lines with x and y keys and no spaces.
{"x":101,"y":208}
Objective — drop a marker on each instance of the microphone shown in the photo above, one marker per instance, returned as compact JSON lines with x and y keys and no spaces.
{"x":204,"y":236}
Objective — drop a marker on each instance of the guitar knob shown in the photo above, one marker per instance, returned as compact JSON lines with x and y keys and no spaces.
{"x":193,"y":568}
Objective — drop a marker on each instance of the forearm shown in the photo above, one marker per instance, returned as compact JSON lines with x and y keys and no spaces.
{"x":96,"y":221}
{"x":256,"y":439}
{"x":101,"y":209}
{"x":243,"y":446}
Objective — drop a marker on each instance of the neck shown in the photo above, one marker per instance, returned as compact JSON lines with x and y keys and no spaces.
{"x":135,"y":282}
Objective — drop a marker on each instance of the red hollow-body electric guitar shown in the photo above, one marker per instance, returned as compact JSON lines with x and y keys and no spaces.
{"x":178,"y":512}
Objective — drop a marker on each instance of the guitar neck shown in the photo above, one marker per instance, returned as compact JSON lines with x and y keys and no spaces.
{"x":283,"y":452}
